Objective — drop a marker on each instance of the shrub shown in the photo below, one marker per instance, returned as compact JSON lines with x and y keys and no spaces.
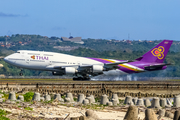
{"x":3,"y":115}
{"x":28,"y":96}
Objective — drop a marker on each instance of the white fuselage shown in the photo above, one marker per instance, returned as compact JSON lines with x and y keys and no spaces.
{"x":39,"y":60}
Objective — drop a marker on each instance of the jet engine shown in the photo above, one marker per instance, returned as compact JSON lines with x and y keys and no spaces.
{"x":97,"y":69}
{"x":69,"y":70}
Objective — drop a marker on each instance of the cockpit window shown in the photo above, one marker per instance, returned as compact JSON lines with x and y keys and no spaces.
{"x":17,"y":52}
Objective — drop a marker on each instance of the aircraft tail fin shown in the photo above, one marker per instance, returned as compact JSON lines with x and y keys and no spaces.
{"x":158,"y":53}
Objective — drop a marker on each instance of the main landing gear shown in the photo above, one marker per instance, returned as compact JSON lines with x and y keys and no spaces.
{"x":21,"y":74}
{"x":81,"y":78}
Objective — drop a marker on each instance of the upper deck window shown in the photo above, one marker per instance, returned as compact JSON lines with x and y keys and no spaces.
{"x":47,"y":55}
{"x":33,"y":54}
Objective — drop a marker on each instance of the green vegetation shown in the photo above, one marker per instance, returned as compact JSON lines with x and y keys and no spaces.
{"x":75,"y":99}
{"x":5,"y":95}
{"x":97,"y":99}
{"x":28,"y":108}
{"x":47,"y":102}
{"x":100,"y":48}
{"x":28,"y":96}
{"x":63,"y":97}
{"x":121,"y":101}
{"x":3,"y":115}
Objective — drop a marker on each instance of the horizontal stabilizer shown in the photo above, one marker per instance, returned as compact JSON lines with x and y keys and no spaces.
{"x":156,"y":66}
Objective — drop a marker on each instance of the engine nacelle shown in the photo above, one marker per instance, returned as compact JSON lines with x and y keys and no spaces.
{"x":57,"y":73}
{"x":97,"y":69}
{"x":69,"y":70}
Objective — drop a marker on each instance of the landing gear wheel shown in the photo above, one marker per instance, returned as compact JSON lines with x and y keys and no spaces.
{"x":81,"y":78}
{"x":21,"y":74}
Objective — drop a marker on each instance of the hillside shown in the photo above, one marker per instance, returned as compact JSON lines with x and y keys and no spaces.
{"x":115,"y":49}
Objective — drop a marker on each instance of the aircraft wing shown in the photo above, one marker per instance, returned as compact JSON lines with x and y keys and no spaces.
{"x":107,"y":66}
{"x":156,"y":66}
{"x":115,"y":64}
{"x":58,"y":67}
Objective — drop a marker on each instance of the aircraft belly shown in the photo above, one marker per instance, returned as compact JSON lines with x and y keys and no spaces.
{"x":114,"y":72}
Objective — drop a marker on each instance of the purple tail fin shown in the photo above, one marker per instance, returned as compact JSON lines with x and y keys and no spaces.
{"x":158,"y":53}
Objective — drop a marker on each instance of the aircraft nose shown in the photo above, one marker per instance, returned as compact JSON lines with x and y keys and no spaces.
{"x":6,"y":59}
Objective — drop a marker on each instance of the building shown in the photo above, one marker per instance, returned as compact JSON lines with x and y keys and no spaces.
{"x":73,"y":39}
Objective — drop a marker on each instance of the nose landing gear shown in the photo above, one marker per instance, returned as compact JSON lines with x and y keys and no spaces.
{"x":21,"y":74}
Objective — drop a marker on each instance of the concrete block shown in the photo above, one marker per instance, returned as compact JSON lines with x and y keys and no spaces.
{"x":155,"y":103}
{"x":176,"y":101}
{"x":162,"y":112}
{"x":104,"y":100}
{"x":93,"y":100}
{"x":114,"y":102}
{"x":110,"y":104}
{"x":128,"y":100}
{"x":80,"y":98}
{"x":169,"y":114}
{"x":150,"y":115}
{"x":140,"y":102}
{"x":91,"y":114}
{"x":163,"y":102}
{"x":74,"y":118}
{"x":177,"y":115}
{"x":147,"y":102}
{"x":41,"y":98}
{"x":12,"y":96}
{"x":82,"y":118}
{"x":67,"y":99}
{"x":85,"y":101}
{"x":21,"y":98}
{"x":36,"y":96}
{"x":135,"y":100}
{"x":61,"y":100}
{"x":57,"y":96}
{"x":69,"y":95}
{"x":132,"y":113}
{"x":47,"y":97}
{"x":90,"y":99}
{"x":115,"y":96}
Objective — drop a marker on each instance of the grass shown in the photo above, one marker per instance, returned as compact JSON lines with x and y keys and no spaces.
{"x":28,"y":108}
{"x":3,"y":115}
{"x":47,"y":102}
{"x":5,"y":95}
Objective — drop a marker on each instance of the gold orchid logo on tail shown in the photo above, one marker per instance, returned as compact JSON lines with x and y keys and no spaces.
{"x":158,"y":52}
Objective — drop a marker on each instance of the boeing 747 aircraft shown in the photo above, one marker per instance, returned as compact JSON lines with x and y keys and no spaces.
{"x":81,"y":68}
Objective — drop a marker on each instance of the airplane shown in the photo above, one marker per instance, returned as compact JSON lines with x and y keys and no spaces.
{"x":83,"y":68}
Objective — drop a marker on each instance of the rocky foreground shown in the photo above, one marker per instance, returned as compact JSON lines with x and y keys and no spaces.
{"x":33,"y":106}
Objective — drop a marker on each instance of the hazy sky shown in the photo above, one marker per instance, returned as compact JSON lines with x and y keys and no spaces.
{"x":107,"y":19}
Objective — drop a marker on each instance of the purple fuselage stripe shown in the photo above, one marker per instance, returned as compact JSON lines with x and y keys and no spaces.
{"x":126,"y":70}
